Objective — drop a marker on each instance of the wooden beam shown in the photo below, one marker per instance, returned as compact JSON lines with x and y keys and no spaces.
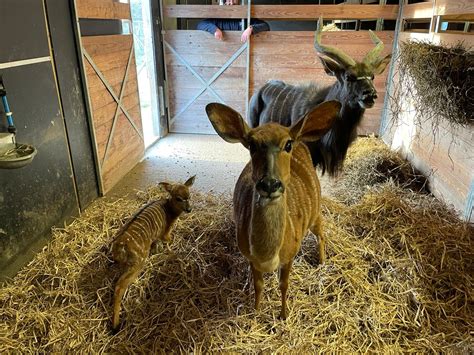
{"x":294,"y":12}
{"x":333,"y":12}
{"x":205,"y":11}
{"x":102,"y":9}
{"x":420,"y":10}
{"x":461,"y":9}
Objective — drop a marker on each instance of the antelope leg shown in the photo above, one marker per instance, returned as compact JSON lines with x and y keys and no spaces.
{"x":257,"y":285}
{"x":123,"y":282}
{"x":317,"y":230}
{"x":284,"y":276}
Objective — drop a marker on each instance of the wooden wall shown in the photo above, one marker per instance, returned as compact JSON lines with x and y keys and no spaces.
{"x":198,"y":52}
{"x":291,"y":57}
{"x":282,"y":55}
{"x":111,"y":76}
{"x":445,"y":156}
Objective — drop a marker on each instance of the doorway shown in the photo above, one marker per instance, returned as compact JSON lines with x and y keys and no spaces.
{"x":149,"y":87}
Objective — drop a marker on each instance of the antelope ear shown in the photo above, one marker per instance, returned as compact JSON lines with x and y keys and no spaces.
{"x":330,"y":66}
{"x":166,"y":185}
{"x":316,"y":122}
{"x":228,"y":123}
{"x":190,"y":181}
{"x":380,"y":65}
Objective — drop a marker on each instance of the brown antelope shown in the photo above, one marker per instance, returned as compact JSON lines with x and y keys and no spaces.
{"x":283,"y":103}
{"x":277,"y":196}
{"x":135,"y":239}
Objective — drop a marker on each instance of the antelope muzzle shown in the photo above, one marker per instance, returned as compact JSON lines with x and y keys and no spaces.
{"x":268,"y":187}
{"x":369,"y":95}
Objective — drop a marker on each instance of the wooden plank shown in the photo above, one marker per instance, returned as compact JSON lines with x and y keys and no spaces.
{"x":354,"y":43}
{"x":231,"y":78}
{"x":334,"y":12}
{"x":453,"y":38}
{"x":205,"y":11}
{"x":295,"y":12}
{"x":421,"y":10}
{"x":205,"y":60}
{"x":106,"y":44}
{"x":102,"y":9}
{"x":125,"y":154}
{"x":186,"y":94}
{"x":459,"y":9}
{"x":413,"y":36}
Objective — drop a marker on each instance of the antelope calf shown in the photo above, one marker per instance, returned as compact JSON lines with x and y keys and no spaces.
{"x":277,"y":196}
{"x":134,"y":240}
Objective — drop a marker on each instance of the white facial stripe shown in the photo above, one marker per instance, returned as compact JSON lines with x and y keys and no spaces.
{"x":271,"y":163}
{"x":364,"y":78}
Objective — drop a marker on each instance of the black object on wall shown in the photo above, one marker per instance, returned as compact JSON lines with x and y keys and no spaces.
{"x":61,"y":25}
{"x":44,"y":193}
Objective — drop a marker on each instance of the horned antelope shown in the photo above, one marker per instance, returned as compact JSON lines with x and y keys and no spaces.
{"x":279,"y":102}
{"x":277,"y":196}
{"x":135,"y":239}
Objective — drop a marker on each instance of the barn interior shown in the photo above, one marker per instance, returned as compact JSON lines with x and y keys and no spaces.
{"x":103,"y":99}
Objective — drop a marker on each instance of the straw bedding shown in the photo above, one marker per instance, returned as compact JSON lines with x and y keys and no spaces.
{"x":399,"y":278}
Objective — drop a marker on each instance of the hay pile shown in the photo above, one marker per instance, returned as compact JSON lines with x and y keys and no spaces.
{"x":439,"y":80}
{"x":369,"y":162}
{"x":399,"y":278}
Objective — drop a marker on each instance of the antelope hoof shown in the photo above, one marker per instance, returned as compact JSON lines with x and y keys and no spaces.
{"x":115,"y":329}
{"x":283,"y":314}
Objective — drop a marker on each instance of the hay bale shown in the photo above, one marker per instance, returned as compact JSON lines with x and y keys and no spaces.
{"x":399,"y":278}
{"x":369,"y":162}
{"x":439,"y":79}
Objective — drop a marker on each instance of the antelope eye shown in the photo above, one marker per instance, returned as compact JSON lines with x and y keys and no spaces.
{"x":372,"y":77}
{"x":288,"y":146}
{"x":179,"y":199}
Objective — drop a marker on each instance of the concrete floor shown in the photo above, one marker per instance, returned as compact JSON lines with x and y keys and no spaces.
{"x":216,"y":164}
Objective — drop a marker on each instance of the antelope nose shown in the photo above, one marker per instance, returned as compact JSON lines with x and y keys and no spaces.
{"x":269,"y":185}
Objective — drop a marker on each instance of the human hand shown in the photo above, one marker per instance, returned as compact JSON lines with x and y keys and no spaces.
{"x":218,"y":34}
{"x":246,"y":34}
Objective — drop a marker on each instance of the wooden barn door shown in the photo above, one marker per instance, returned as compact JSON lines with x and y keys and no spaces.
{"x":111,"y":77}
{"x":201,"y":69}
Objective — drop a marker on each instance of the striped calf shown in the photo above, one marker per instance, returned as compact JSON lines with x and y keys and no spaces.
{"x":135,"y":239}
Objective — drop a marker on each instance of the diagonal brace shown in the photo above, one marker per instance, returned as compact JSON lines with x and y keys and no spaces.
{"x":205,"y":83}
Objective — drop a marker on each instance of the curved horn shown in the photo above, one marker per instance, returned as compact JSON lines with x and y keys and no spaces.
{"x":332,"y":52}
{"x":374,"y":54}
